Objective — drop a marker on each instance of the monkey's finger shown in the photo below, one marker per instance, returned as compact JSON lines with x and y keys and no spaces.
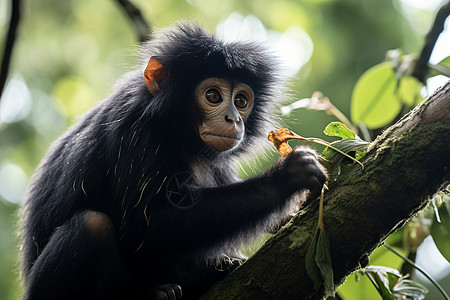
{"x":315,"y":187}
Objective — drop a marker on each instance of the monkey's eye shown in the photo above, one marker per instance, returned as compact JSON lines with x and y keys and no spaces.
{"x":240,"y":101}
{"x":213,"y":96}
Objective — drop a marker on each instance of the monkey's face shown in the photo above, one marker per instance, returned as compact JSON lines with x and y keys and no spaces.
{"x":225,"y":106}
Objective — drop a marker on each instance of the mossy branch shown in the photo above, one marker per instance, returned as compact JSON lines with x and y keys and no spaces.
{"x":404,"y":167}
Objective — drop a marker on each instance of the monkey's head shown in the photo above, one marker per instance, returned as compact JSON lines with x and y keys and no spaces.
{"x":223,"y":93}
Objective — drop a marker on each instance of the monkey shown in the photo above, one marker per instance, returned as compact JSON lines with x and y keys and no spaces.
{"x":140,"y":198}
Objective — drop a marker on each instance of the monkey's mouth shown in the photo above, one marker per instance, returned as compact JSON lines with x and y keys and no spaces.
{"x":224,"y":136}
{"x":221,"y":142}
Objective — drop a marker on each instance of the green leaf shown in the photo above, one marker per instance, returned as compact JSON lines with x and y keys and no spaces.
{"x":360,"y":154}
{"x":441,"y":231}
{"x":340,"y":130}
{"x":323,"y":261}
{"x":375,"y":100}
{"x":318,"y":262}
{"x":345,"y":146}
{"x":351,"y":144}
{"x":312,"y":269}
{"x":410,"y":90}
{"x":334,"y":158}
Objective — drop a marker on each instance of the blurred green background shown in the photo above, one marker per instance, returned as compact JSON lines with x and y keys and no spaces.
{"x":70,"y":53}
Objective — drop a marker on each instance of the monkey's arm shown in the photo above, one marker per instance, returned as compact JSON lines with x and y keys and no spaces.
{"x":244,"y":206}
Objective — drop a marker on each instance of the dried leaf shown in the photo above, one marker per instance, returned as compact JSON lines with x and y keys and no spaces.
{"x":280,"y":138}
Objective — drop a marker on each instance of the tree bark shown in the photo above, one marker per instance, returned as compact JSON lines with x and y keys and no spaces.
{"x":404,"y":168}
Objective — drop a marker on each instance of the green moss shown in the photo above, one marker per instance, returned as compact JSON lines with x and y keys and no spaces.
{"x":298,"y":238}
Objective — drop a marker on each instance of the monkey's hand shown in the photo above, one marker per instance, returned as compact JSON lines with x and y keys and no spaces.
{"x":302,"y":170}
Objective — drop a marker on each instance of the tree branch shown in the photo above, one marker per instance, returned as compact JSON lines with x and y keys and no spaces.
{"x":9,"y":42}
{"x":421,"y":67}
{"x":135,"y":15}
{"x":404,"y":167}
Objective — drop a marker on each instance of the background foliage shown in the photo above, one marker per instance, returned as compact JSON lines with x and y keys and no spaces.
{"x":70,"y":53}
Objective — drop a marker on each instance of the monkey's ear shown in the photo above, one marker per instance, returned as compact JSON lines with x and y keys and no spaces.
{"x":154,"y":74}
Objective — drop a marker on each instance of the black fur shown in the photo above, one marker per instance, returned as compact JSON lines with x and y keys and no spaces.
{"x":98,"y":223}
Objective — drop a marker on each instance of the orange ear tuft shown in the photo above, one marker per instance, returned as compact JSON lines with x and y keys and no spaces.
{"x":154,"y":74}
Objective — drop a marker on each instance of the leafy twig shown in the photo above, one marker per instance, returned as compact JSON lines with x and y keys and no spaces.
{"x":9,"y":43}
{"x":280,"y":137}
{"x":440,"y":288}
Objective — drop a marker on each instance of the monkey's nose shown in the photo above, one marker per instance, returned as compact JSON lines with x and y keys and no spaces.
{"x":229,"y":120}
{"x":233,"y":118}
